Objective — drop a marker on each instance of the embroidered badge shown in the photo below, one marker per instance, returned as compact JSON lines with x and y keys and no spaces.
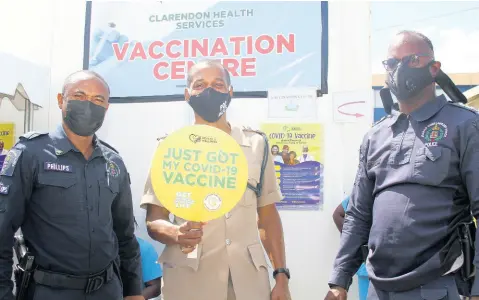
{"x":212,"y":202}
{"x":112,"y":169}
{"x":50,"y":166}
{"x":433,"y":133}
{"x":10,"y":162}
{"x":4,"y":189}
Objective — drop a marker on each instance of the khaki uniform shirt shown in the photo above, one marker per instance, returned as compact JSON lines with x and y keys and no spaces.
{"x":230,"y":244}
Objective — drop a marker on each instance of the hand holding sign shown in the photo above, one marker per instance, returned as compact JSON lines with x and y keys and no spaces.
{"x":199,"y":173}
{"x":189,"y":235}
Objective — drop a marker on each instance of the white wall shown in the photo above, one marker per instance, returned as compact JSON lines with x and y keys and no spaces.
{"x":26,"y":32}
{"x":311,"y":237}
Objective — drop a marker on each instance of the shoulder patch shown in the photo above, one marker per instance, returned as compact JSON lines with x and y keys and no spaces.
{"x":32,"y":134}
{"x":108,"y":146}
{"x":460,"y":105}
{"x":10,"y":162}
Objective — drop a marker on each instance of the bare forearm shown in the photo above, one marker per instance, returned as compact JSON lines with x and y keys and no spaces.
{"x":163,"y":231}
{"x":338,"y":221}
{"x":271,"y":232}
{"x":151,"y":291}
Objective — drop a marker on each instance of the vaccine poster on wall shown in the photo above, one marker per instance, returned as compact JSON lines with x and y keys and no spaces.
{"x":297,"y":149}
{"x":159,"y":42}
{"x":7,"y":140}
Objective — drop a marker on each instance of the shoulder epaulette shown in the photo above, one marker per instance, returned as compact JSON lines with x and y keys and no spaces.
{"x":108,"y":146}
{"x":259,"y":187}
{"x":249,"y":129}
{"x":469,"y":108}
{"x":32,"y":135}
{"x":381,"y":120}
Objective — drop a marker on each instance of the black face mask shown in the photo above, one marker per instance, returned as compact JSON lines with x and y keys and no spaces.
{"x":406,"y":82}
{"x":84,"y":118}
{"x":210,"y":104}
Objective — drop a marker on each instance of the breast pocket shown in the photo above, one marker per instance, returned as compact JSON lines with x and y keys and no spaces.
{"x":58,"y":195}
{"x":108,"y":191}
{"x":431,"y":165}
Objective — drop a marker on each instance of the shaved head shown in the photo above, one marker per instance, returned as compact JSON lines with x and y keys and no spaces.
{"x":207,"y":64}
{"x":82,"y":76}
{"x":419,"y":35}
{"x":84,"y":85}
{"x":414,"y":41}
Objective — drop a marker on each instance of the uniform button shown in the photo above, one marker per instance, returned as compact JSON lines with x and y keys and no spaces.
{"x":228,"y":215}
{"x":93,"y":230}
{"x":228,"y":242}
{"x":89,"y":186}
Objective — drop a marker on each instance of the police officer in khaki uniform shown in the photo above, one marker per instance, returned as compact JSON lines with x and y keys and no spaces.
{"x":230,"y":261}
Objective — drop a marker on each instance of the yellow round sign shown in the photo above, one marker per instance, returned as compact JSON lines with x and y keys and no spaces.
{"x":199,"y":173}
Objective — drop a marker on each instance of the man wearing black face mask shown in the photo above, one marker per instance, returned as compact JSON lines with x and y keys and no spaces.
{"x":416,"y":186}
{"x":230,"y":263}
{"x":70,"y":194}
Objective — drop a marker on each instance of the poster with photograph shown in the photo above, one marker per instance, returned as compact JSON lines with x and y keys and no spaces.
{"x":7,"y":140}
{"x":298,"y":154}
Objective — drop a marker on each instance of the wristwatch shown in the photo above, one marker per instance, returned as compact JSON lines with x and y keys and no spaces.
{"x":285,"y":271}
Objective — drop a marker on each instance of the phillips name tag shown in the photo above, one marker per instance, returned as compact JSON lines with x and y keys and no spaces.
{"x":49,"y":166}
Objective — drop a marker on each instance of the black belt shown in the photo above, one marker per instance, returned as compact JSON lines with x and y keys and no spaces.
{"x":88,"y":283}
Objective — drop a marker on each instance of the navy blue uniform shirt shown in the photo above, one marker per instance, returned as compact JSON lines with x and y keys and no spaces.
{"x":75,"y":214}
{"x":418,"y":177}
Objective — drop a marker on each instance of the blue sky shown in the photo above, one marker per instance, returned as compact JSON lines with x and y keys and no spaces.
{"x":453,"y":28}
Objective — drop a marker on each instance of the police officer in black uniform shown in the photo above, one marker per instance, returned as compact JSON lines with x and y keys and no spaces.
{"x":417,"y":183}
{"x":70,"y":194}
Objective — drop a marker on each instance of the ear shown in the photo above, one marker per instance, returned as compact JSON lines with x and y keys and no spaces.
{"x":231,"y":91}
{"x":60,"y":100}
{"x":187,"y":95}
{"x":434,"y":68}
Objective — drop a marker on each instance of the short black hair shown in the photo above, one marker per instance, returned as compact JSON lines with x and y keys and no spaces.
{"x":420,"y":35}
{"x":209,"y":63}
{"x":70,"y":78}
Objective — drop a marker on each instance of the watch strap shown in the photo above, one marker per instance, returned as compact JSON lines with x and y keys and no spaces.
{"x":281,"y":270}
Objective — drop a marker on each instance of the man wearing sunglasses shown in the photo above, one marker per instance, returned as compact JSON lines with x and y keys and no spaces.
{"x":416,"y":185}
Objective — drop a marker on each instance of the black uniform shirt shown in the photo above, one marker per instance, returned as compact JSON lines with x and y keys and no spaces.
{"x":75,"y":214}
{"x":418,"y":178}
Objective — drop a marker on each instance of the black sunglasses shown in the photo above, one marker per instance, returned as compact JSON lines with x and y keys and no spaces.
{"x":412,"y":60}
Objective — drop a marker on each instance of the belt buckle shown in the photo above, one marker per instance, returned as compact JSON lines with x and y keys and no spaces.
{"x":94,"y":284}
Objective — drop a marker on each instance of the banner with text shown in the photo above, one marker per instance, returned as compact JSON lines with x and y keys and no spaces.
{"x":299,"y":160}
{"x":146,"y":49}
